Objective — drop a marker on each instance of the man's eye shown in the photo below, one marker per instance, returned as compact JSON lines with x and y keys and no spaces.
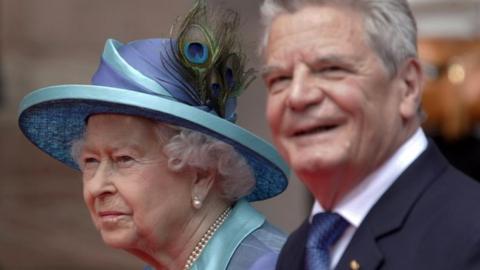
{"x":332,"y":72}
{"x":279,"y":79}
{"x":275,"y":84}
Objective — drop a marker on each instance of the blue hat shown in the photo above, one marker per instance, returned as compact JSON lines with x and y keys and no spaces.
{"x":141,"y":78}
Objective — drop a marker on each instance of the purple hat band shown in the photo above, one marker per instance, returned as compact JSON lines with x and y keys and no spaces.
{"x":150,"y":66}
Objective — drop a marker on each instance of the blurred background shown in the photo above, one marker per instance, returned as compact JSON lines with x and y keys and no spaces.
{"x":43,"y":222}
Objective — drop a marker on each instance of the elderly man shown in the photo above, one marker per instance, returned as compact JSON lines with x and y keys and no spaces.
{"x":344,"y":89}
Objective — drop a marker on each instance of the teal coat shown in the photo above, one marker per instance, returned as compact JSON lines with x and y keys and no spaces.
{"x":243,"y":242}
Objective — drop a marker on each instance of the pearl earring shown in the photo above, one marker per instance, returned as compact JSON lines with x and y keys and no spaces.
{"x":196,"y":202}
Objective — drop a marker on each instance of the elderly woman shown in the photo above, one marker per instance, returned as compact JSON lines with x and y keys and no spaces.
{"x":167,"y":174}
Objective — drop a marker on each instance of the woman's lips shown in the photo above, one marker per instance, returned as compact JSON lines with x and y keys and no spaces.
{"x":110,"y":213}
{"x":112,"y":218}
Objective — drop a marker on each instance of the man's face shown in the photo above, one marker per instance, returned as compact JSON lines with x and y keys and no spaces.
{"x":332,"y":106}
{"x":133,"y":198}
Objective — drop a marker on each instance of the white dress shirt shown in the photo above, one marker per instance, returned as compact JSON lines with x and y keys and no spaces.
{"x":355,"y":206}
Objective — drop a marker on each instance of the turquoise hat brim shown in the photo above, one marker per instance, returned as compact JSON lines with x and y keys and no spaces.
{"x":53,"y":117}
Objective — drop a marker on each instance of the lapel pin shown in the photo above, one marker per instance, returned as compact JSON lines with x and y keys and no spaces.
{"x":354,"y":265}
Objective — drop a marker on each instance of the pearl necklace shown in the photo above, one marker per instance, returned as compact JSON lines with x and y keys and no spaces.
{"x":205,"y":238}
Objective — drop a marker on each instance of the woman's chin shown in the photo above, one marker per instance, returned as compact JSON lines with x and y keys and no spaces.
{"x":118,"y":239}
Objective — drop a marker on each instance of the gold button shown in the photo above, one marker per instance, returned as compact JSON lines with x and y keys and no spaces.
{"x":354,"y":265}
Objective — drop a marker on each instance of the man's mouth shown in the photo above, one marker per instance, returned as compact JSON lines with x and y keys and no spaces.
{"x":315,"y":130}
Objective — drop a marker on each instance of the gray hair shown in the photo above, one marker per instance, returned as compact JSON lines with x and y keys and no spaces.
{"x":389,"y":24}
{"x":191,"y":149}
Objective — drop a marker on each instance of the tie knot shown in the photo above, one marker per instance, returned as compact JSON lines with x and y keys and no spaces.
{"x":326,"y":229}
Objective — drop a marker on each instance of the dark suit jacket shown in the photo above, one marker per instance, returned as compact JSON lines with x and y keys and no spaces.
{"x":429,"y":219}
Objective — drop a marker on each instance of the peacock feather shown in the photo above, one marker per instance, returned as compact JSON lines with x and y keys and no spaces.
{"x":212,"y":61}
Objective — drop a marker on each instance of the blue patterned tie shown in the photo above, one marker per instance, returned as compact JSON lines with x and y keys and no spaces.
{"x":325,"y":230}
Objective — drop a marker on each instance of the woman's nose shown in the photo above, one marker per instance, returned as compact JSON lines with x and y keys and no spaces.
{"x":303,"y":92}
{"x":101,"y":182}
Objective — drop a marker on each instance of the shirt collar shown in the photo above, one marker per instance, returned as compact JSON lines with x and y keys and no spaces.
{"x":355,"y":206}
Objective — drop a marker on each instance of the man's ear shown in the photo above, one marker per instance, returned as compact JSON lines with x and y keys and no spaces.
{"x":411,"y":76}
{"x":202,"y":184}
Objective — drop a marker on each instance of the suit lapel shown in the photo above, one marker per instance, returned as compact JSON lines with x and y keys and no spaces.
{"x":293,"y":252}
{"x":390,"y":212}
{"x":362,"y":249}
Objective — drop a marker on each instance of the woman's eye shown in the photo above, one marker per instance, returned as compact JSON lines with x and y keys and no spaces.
{"x":334,"y":69}
{"x":90,"y":160}
{"x":331,"y":69}
{"x":89,"y":163}
{"x":124,"y":160}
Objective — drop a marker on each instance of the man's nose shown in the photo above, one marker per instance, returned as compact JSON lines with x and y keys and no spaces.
{"x":101,"y":183}
{"x":303,"y":91}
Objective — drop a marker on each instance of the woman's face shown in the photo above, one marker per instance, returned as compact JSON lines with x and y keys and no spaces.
{"x":135,"y":201}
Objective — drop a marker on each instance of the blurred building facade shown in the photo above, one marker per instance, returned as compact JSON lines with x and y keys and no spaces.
{"x":449,"y":48}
